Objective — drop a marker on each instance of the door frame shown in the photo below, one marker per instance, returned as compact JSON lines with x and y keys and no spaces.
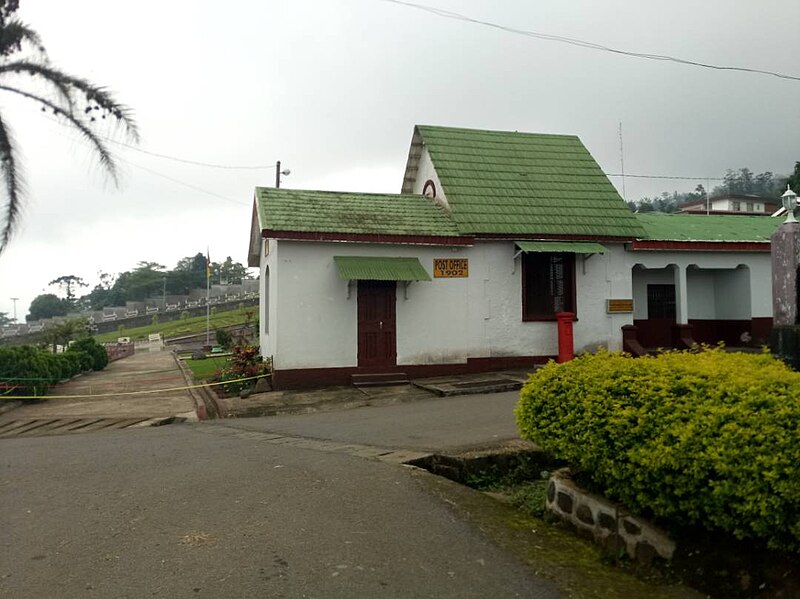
{"x":386,"y":292}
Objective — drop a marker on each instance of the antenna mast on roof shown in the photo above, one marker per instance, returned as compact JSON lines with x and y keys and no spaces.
{"x":622,"y":162}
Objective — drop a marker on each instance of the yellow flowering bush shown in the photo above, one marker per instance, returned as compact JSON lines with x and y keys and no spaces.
{"x":700,"y":437}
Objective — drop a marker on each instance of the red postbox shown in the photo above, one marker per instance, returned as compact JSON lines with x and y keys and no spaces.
{"x":566,"y":347}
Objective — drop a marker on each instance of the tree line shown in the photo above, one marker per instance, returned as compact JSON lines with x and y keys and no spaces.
{"x":736,"y":182}
{"x":146,"y":280}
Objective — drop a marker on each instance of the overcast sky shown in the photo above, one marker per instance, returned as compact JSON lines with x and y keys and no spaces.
{"x":333,"y":89}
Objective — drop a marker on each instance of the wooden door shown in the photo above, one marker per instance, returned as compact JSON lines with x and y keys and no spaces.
{"x":660,"y":316}
{"x":377,"y":342}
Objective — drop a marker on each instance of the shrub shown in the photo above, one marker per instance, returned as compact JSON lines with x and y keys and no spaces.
{"x":224,"y":337}
{"x":700,"y":438}
{"x":98,"y":353}
{"x":30,"y":371}
{"x":246,"y":362}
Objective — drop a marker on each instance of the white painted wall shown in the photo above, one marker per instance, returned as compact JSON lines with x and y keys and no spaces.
{"x":268,"y":293}
{"x":732,"y":299}
{"x":443,"y":321}
{"x":425,"y":171}
{"x":701,"y":292}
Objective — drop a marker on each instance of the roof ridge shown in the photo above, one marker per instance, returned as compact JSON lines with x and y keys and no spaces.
{"x":444,"y":128}
{"x":328,"y":192}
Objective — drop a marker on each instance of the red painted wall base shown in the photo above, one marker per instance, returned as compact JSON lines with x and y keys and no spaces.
{"x":309,"y":378}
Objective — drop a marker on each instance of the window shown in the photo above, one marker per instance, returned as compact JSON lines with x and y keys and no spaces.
{"x":737,"y":206}
{"x":750,"y":206}
{"x":548,"y":285}
{"x":661,"y":301}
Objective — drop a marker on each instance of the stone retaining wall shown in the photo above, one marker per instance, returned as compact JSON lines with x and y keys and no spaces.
{"x":117,"y":351}
{"x":610,"y":524}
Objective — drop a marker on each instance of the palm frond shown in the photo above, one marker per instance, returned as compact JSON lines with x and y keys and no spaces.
{"x":14,"y":184}
{"x":14,"y":34}
{"x":71,"y":89}
{"x":104,"y":155}
{"x":39,"y":71}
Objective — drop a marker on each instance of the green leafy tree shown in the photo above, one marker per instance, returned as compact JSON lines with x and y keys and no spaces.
{"x":5,"y":319}
{"x":793,"y":180}
{"x":68,"y":284}
{"x":26,"y":71}
{"x":189,"y":273}
{"x":47,"y":305}
{"x":62,"y":334}
{"x":229,"y":272}
{"x":146,"y":280}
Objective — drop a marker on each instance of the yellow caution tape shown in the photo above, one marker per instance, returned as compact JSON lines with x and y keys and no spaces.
{"x":149,"y":391}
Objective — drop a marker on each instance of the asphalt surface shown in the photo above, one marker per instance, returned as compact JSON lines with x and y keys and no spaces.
{"x":187,"y":511}
{"x":435,"y":424}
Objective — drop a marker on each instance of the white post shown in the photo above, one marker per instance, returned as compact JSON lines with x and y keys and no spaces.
{"x":208,"y":297}
{"x":681,"y":295}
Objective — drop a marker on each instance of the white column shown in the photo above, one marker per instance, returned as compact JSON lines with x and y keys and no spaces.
{"x":681,"y":296}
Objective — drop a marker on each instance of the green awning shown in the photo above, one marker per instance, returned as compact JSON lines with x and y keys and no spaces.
{"x":374,"y":268}
{"x":565,"y":247}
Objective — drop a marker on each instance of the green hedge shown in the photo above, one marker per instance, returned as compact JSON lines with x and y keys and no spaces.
{"x":700,"y":438}
{"x":30,"y":371}
{"x":97,"y":352}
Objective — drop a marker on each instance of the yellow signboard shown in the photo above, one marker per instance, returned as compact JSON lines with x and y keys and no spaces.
{"x":450,"y":268}
{"x":619,"y":306}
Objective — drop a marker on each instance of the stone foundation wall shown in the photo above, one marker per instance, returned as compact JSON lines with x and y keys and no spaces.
{"x":610,"y":524}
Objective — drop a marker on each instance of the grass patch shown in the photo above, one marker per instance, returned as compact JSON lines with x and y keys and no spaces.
{"x":177,"y":328}
{"x":529,"y":497}
{"x":204,"y":369}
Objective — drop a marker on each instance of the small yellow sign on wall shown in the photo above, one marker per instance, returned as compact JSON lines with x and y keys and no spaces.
{"x":450,"y":268}
{"x":619,"y":306}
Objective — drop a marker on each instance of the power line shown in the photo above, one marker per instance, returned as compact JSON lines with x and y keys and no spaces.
{"x":179,"y":182}
{"x":447,"y":14}
{"x":193,"y":162}
{"x":162,"y":175}
{"x":174,"y":158}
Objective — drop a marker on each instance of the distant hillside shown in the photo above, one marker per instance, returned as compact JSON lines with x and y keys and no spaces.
{"x":189,"y":326}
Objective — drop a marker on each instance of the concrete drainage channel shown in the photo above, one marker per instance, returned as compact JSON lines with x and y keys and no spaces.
{"x":715,"y":564}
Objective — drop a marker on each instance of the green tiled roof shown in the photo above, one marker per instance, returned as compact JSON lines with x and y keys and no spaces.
{"x":697,"y":227}
{"x":525,"y":183}
{"x":568,"y":247}
{"x":375,"y":268}
{"x":365,"y":213}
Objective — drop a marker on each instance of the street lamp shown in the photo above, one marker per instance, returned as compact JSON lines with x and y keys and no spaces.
{"x":789,"y":200}
{"x":279,"y":172}
{"x":14,"y":299}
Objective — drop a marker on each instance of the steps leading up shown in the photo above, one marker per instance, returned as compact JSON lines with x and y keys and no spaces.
{"x":379,"y":379}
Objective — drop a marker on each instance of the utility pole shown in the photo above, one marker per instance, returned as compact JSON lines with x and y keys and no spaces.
{"x":14,"y":299}
{"x":279,"y":172}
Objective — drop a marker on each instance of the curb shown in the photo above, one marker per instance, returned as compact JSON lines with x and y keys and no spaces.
{"x":206,"y":405}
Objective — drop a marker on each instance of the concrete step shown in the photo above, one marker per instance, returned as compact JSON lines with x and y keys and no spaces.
{"x":379,"y":379}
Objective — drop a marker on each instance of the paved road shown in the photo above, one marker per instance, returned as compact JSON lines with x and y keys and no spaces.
{"x":433,"y":424}
{"x":186,"y":511}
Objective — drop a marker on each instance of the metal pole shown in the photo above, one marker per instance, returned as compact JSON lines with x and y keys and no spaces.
{"x":14,"y":299}
{"x":208,"y":297}
{"x":277,"y":174}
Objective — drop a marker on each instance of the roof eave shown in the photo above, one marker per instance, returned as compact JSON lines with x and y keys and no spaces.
{"x":254,"y":251}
